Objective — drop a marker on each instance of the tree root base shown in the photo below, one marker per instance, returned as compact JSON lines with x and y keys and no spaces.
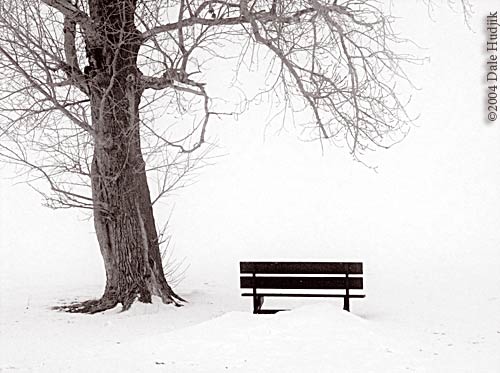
{"x":89,"y":306}
{"x":106,"y":303}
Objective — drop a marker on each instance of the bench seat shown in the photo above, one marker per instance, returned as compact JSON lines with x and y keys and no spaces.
{"x":303,"y":295}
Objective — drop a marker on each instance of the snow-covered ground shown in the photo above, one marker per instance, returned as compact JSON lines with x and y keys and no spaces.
{"x":440,"y":325}
{"x":425,"y":226}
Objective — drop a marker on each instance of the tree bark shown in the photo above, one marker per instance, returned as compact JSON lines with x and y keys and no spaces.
{"x":123,"y":214}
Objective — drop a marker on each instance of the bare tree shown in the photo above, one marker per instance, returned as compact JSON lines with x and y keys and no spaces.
{"x":85,"y":85}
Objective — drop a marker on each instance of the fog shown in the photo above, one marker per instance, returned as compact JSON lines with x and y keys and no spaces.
{"x":433,"y":199}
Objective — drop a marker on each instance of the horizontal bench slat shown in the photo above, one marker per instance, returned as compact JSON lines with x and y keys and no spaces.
{"x":302,"y":267}
{"x":304,"y":295}
{"x":263,"y":282}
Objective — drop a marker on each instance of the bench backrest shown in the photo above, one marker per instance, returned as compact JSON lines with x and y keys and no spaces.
{"x":328,"y":275}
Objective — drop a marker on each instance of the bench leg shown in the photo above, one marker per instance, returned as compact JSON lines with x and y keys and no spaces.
{"x":258,"y":301}
{"x":346,"y":298}
{"x":346,"y":304}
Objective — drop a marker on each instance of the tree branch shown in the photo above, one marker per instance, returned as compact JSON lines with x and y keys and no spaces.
{"x":70,"y":11}
{"x":241,"y":19}
{"x":71,"y":67}
{"x":36,"y":85}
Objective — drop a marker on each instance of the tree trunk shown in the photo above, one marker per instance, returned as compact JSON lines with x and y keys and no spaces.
{"x":123,"y":214}
{"x":125,"y":226}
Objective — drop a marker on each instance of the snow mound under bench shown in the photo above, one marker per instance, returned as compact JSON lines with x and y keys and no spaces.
{"x":313,"y":338}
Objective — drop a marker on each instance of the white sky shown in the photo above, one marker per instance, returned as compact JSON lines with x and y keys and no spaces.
{"x":435,"y":197}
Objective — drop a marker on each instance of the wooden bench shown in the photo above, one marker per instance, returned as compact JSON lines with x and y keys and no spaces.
{"x":287,"y":276}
